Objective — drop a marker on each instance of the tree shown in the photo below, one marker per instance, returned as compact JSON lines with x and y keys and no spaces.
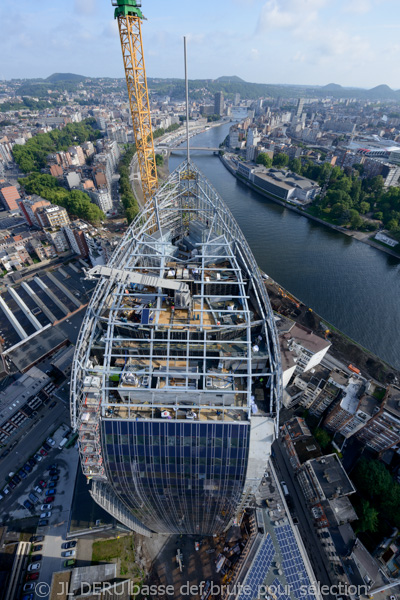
{"x":364,"y":207}
{"x":323,"y":438}
{"x":159,"y":160}
{"x":368,"y":517}
{"x":355,"y":220}
{"x":295,"y":166}
{"x":280,"y":160}
{"x":264,"y":159}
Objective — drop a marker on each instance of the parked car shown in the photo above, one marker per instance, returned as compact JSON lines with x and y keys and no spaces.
{"x":51,"y":492}
{"x":67,"y":545}
{"x":43,"y":452}
{"x":6,"y":490}
{"x":36,"y":557}
{"x":22,"y":474}
{"x":46,"y":507}
{"x":45,"y":515}
{"x":52,"y":405}
{"x":43,"y":522}
{"x":33,"y":498}
{"x":54,"y":478}
{"x":28,"y":587}
{"x":32,"y":576}
{"x":5,"y":453}
{"x":27,"y":467}
{"x":69,"y":553}
{"x":37,"y":547}
{"x":38,"y":489}
{"x":28,"y":505}
{"x":38,"y":457}
{"x":46,"y":446}
{"x":50,"y":441}
{"x":36,"y":538}
{"x":49,"y":500}
{"x":53,"y":466}
{"x":16,"y":478}
{"x":69,"y":563}
{"x":34,"y":566}
{"x":42,"y":483}
{"x":12,"y":484}
{"x":32,"y":462}
{"x":28,"y":596}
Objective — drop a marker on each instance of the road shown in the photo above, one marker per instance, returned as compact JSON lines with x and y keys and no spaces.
{"x":32,"y":436}
{"x":306,"y":525}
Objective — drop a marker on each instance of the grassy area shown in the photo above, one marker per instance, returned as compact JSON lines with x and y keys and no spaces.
{"x":120,"y":549}
{"x":379,"y":394}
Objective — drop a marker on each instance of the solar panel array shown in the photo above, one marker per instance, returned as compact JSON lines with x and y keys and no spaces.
{"x":258,"y":571}
{"x":277,"y":590}
{"x":293,"y":564}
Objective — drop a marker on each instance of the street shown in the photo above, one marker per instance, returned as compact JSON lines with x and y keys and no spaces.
{"x":306,"y":525}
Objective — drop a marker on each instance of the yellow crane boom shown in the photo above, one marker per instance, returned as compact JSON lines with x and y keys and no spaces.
{"x":129,"y":17}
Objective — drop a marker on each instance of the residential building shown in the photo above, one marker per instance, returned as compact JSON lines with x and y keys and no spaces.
{"x":308,"y":348}
{"x":75,"y":233}
{"x":73,"y":179}
{"x":347,"y":413}
{"x":9,"y":196}
{"x":29,"y":206}
{"x":299,"y":108}
{"x":52,"y":216}
{"x":58,"y":239}
{"x":56,"y":171}
{"x":382,"y":431}
{"x":102,"y":198}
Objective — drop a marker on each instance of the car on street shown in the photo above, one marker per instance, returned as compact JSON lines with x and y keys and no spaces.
{"x":37,"y":548}
{"x":5,"y":453}
{"x":45,"y":515}
{"x":54,"y":478}
{"x":51,"y":492}
{"x":46,"y":446}
{"x":33,"y":498}
{"x":46,"y":506}
{"x":43,"y":452}
{"x":28,"y":505}
{"x":16,"y":478}
{"x":12,"y":484}
{"x":43,"y":522}
{"x":38,"y":457}
{"x":28,"y":597}
{"x":6,"y":490}
{"x":53,"y":466}
{"x":22,"y":474}
{"x":38,"y":489}
{"x":69,"y":553}
{"x":50,"y":441}
{"x":52,"y":405}
{"x":42,"y":483}
{"x":69,"y":563}
{"x":32,"y":576}
{"x":27,"y":468}
{"x":34,"y":566}
{"x":32,"y":462}
{"x":28,"y":587}
{"x":67,"y":545}
{"x":54,"y":471}
{"x":36,"y":538}
{"x":49,"y":500}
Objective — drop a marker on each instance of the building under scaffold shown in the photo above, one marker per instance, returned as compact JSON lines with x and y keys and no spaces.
{"x":176,"y":382}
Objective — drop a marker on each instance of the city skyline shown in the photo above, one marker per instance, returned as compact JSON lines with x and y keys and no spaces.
{"x":318,"y":44}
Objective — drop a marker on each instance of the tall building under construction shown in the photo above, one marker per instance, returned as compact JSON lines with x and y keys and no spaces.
{"x":177,"y":381}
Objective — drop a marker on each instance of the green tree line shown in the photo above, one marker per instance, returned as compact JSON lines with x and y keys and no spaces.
{"x":75,"y":202}
{"x":33,"y":155}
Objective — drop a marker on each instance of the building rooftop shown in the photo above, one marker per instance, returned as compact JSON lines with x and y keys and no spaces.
{"x":28,"y":352}
{"x":331,"y":476}
{"x":392,"y":402}
{"x":306,"y":338}
{"x":17,"y":394}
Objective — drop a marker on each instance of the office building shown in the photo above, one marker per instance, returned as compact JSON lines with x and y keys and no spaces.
{"x":219,"y":104}
{"x":172,"y":437}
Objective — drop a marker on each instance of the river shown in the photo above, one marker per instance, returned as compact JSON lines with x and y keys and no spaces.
{"x":350,"y":284}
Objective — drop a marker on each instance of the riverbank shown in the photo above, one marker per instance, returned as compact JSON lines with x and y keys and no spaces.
{"x":357,"y":235}
{"x":343,"y":349}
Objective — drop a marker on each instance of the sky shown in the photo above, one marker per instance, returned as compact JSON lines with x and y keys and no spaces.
{"x":307,"y":42}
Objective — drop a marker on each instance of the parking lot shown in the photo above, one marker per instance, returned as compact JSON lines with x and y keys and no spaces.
{"x":41,"y":505}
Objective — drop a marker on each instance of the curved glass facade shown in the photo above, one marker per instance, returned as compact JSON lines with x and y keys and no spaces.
{"x":178,"y":477}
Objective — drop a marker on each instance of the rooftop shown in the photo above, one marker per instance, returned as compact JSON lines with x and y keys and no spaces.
{"x":331,"y":476}
{"x":306,"y":338}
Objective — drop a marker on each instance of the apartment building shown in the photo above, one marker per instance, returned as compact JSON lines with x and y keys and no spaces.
{"x":53,"y":217}
{"x":382,"y":431}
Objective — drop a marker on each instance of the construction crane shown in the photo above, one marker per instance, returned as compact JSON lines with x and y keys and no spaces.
{"x":129,"y":16}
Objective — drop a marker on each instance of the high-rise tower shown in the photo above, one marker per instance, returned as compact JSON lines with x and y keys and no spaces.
{"x":176,"y":379}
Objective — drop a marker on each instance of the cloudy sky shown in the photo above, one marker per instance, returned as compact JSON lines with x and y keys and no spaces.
{"x":350,"y":42}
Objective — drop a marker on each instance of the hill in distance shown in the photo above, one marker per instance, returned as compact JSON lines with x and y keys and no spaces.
{"x":382,"y":92}
{"x":56,"y":77}
{"x":232,"y":79}
{"x":332,"y":87}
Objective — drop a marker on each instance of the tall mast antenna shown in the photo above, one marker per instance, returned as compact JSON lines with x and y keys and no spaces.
{"x":187,"y":100}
